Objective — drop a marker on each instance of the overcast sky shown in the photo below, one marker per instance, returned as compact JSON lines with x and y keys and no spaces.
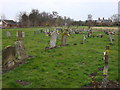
{"x":75,"y":9}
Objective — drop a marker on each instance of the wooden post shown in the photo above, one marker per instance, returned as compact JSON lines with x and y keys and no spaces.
{"x":105,"y":70}
{"x":19,"y":35}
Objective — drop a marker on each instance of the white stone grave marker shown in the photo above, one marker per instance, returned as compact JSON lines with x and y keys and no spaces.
{"x":53,"y":39}
{"x":8,"y":34}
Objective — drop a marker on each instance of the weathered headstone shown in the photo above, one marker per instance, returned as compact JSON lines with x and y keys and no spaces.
{"x":23,"y":34}
{"x":111,"y":39}
{"x":53,"y":39}
{"x":84,"y":38}
{"x":64,"y":37}
{"x":13,"y":54}
{"x":8,"y":34}
{"x":89,"y":33}
{"x":20,"y":50}
{"x":16,"y":34}
{"x":8,"y":57}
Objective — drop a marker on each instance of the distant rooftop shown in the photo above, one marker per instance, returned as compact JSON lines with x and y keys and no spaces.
{"x":9,"y":21}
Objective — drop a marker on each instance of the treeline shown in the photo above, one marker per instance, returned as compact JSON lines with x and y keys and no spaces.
{"x":36,"y":18}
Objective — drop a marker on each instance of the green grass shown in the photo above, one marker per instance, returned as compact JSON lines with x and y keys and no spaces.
{"x":62,"y":67}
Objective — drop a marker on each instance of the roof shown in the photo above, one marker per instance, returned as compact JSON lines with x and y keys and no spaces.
{"x":9,"y":21}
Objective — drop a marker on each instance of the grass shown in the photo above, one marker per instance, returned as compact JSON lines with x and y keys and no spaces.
{"x":62,"y":67}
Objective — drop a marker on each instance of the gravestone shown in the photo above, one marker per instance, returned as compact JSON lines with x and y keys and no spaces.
{"x":23,"y":34}
{"x":53,"y":39}
{"x":89,"y":33}
{"x":16,"y":34}
{"x":58,"y":34}
{"x":8,"y":34}
{"x":84,"y":38}
{"x":20,"y":50}
{"x":34,"y":32}
{"x":8,"y":57}
{"x":64,"y":37}
{"x":111,"y":39}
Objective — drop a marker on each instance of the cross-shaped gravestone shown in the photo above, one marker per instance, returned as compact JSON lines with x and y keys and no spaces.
{"x":53,"y":39}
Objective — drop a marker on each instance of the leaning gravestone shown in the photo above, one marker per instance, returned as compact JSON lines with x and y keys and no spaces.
{"x":64,"y":37}
{"x":8,"y":57}
{"x":53,"y":39}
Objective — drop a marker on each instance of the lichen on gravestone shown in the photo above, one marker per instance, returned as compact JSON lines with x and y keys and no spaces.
{"x":64,"y":37}
{"x":8,"y":56}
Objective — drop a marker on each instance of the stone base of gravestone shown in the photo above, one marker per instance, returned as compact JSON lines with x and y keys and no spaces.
{"x":13,"y":55}
{"x":65,"y":45}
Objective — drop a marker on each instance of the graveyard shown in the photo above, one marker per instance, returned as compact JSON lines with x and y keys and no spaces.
{"x":64,"y":64}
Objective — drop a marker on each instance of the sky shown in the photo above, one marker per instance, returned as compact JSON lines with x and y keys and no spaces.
{"x":75,"y":9}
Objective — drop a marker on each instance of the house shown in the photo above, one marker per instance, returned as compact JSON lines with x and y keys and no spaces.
{"x":8,"y":24}
{"x":104,"y":22}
